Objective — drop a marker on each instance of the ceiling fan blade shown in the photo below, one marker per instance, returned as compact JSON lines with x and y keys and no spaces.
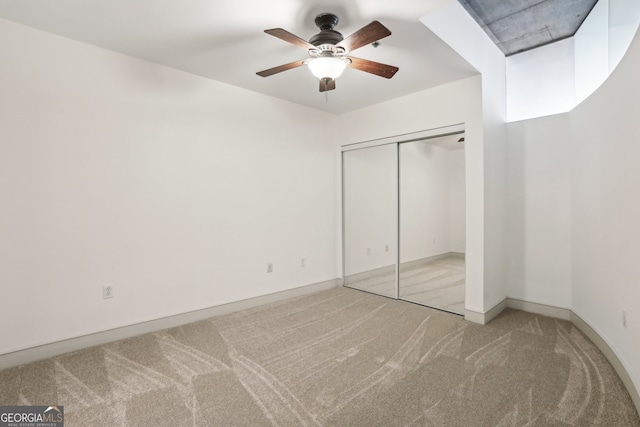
{"x":281,"y":68}
{"x":365,"y":35}
{"x":290,"y":38}
{"x":382,"y":70}
{"x":327,"y":84}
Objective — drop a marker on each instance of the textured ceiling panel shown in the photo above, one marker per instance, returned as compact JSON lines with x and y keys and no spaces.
{"x":519,"y":25}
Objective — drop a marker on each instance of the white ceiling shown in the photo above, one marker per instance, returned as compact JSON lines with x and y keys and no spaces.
{"x":224,"y":40}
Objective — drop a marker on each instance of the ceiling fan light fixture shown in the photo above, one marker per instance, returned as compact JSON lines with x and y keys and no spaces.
{"x":327,"y":67}
{"x":328,"y":51}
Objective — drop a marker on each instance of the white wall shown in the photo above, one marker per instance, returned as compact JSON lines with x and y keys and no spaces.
{"x":591,"y":45}
{"x":175,"y":189}
{"x":538,"y":237}
{"x":606,"y":210}
{"x":495,"y":179}
{"x":624,"y":17}
{"x":541,"y":81}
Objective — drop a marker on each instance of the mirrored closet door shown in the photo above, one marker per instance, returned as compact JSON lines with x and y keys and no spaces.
{"x":370,"y":231}
{"x":432,"y":222}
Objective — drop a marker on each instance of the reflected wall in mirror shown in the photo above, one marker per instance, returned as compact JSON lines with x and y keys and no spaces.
{"x":432,"y":222}
{"x":370,"y":195}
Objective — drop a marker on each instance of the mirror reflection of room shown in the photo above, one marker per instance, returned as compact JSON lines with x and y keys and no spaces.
{"x":370,"y":219}
{"x":432,"y":222}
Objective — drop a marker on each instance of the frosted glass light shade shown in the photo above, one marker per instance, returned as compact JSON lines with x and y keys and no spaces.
{"x":327,"y":68}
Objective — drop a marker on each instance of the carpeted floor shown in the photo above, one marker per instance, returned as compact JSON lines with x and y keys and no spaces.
{"x":335,"y":358}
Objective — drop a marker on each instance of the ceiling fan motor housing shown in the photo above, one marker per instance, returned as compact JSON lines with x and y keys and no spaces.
{"x":327,"y":35}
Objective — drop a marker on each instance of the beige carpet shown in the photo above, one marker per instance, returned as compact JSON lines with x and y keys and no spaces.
{"x":336,"y":358}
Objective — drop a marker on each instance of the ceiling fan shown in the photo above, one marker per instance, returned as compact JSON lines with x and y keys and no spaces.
{"x":328,"y":51}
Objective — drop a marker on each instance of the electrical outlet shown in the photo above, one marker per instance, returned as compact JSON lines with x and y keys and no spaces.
{"x":269,"y":267}
{"x":303,"y":262}
{"x":624,"y":318}
{"x":434,"y":240}
{"x":386,"y":248}
{"x":107,"y":291}
{"x":368,"y":251}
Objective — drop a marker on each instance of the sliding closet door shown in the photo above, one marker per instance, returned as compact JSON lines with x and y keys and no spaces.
{"x":432,"y":223}
{"x":370,"y":195}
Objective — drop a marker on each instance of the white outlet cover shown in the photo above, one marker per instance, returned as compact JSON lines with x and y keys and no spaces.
{"x":107,"y":291}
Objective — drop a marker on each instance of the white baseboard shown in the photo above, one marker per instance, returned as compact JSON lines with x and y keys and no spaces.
{"x":45,"y":351}
{"x":484,"y":318}
{"x":536,"y":308}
